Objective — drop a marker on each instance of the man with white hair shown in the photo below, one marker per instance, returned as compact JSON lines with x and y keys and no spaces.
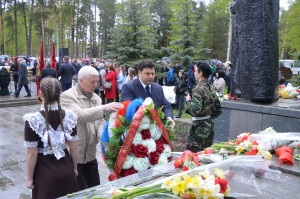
{"x":23,"y":78}
{"x":89,"y":109}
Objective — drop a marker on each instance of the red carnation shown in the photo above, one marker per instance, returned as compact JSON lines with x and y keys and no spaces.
{"x":178,"y":163}
{"x":153,"y":157}
{"x":159,"y":146}
{"x":127,"y":172}
{"x":253,"y":151}
{"x":146,"y":134}
{"x":140,"y":151}
{"x":223,"y":184}
{"x":209,"y":151}
{"x":163,"y":140}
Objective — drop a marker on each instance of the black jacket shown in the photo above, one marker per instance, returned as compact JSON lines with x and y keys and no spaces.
{"x":48,"y":72}
{"x":181,"y":86}
{"x":66,"y":71}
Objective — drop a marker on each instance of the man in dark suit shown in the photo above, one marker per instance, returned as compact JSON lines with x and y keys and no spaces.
{"x":145,"y":87}
{"x":23,"y":78}
{"x":48,"y":71}
{"x":66,"y":72}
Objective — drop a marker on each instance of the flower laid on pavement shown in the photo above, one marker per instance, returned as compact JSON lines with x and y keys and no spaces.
{"x":201,"y":186}
{"x":285,"y":155}
{"x":240,"y":146}
{"x":188,"y":160}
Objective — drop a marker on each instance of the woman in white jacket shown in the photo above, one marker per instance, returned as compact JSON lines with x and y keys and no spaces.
{"x":219,"y":83}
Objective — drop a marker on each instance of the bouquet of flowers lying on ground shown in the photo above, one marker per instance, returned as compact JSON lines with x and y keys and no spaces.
{"x":289,"y":91}
{"x":203,"y":185}
{"x":285,"y":155}
{"x":259,"y":144}
{"x":136,"y":138}
{"x":188,"y":160}
{"x":240,"y":146}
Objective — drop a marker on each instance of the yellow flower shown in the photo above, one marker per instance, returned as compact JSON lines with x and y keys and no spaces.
{"x":267,"y":155}
{"x":239,"y":149}
{"x":179,"y":187}
{"x":167,"y":185}
{"x":187,"y":178}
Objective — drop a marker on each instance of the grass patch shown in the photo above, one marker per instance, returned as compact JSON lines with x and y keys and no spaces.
{"x":295,"y":81}
{"x":183,"y":115}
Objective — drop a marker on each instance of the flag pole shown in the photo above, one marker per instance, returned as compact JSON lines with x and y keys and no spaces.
{"x":41,"y":51}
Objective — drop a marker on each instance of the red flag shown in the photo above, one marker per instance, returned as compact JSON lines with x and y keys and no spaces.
{"x":53,"y":60}
{"x":40,"y":67}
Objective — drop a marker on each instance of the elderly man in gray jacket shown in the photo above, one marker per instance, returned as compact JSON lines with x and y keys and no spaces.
{"x":89,"y":109}
{"x":23,"y":78}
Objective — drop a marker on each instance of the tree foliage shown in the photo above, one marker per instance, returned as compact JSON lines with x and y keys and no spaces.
{"x":130,"y":30}
{"x":133,"y":37}
{"x":289,"y":32}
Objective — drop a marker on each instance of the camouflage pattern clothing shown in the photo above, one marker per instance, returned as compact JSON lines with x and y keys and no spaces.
{"x":204,"y":103}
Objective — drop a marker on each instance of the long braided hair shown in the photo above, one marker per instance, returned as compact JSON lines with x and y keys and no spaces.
{"x":51,"y":90}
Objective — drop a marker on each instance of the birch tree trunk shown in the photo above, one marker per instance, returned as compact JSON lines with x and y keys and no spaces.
{"x":229,"y":38}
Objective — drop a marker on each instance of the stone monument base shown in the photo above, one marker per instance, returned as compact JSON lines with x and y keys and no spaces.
{"x":241,"y":116}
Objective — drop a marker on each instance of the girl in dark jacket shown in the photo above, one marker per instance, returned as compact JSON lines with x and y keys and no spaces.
{"x":180,"y":88}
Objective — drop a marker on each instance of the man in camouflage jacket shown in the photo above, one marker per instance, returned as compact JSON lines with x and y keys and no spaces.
{"x":203,"y":106}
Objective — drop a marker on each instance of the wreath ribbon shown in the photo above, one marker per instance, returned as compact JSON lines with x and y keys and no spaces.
{"x":125,"y":148}
{"x":160,"y":124}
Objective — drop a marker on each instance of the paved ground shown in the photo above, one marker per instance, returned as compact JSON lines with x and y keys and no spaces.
{"x":12,"y":150}
{"x":13,"y":153}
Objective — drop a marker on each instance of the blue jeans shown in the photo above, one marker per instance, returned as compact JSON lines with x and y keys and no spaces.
{"x":179,"y":103}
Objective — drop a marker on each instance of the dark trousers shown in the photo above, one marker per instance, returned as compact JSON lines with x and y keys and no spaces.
{"x":20,"y":88}
{"x":170,"y":83}
{"x":65,"y":86}
{"x":88,"y":175}
{"x":117,"y":95}
{"x":102,"y":95}
{"x":179,"y":103}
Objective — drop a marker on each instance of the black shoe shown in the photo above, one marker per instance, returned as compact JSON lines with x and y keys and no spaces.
{"x":177,"y":116}
{"x":27,"y":96}
{"x":16,"y":95}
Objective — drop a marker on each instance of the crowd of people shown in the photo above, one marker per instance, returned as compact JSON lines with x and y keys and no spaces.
{"x":63,"y":135}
